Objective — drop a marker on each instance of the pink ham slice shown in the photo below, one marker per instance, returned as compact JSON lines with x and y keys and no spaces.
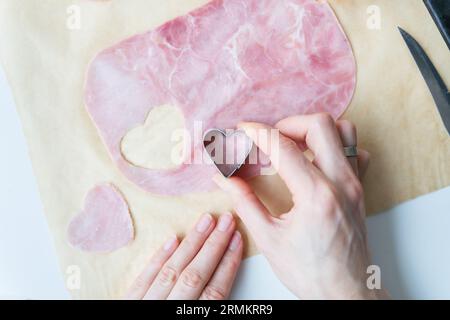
{"x":104,"y":225}
{"x":228,"y":61}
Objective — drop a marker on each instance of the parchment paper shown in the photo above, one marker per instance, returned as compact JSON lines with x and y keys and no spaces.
{"x":45,"y":62}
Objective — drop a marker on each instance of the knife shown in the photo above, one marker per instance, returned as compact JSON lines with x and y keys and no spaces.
{"x":440,"y":11}
{"x":434,"y":81}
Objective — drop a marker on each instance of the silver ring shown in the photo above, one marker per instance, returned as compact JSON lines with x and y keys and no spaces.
{"x":351,"y":152}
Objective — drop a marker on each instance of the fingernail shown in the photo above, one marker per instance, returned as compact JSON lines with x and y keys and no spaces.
{"x":225,"y":222}
{"x":204,"y":223}
{"x":235,"y":241}
{"x":170,"y":243}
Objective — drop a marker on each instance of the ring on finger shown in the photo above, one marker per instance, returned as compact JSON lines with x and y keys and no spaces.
{"x":351,"y":151}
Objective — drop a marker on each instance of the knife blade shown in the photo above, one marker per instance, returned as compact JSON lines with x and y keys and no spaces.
{"x":434,"y":81}
{"x":440,"y":12}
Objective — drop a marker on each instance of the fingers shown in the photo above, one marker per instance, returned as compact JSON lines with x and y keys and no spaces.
{"x":187,"y":250}
{"x":322,"y":138}
{"x":296,"y":171}
{"x":363,"y":162}
{"x":143,"y":281}
{"x":204,"y":264}
{"x":248,"y":206}
{"x":194,"y":278}
{"x":220,"y":285}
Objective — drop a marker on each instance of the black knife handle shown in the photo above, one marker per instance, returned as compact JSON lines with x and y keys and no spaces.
{"x":440,"y":11}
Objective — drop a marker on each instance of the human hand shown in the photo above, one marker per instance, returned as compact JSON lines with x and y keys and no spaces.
{"x":202,"y":266}
{"x":318,"y":249}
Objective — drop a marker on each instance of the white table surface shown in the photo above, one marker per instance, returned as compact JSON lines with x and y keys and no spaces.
{"x":409,"y":242}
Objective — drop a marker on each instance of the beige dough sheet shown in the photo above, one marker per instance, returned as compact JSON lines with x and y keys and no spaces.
{"x":45,"y":60}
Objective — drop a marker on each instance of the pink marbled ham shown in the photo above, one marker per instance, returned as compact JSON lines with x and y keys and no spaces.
{"x":228,"y":61}
{"x":104,"y":224}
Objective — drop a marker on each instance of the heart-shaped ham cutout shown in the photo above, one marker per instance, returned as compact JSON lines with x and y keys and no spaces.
{"x":227,"y":149}
{"x":105,"y":224}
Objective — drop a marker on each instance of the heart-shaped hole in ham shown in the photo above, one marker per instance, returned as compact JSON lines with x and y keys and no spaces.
{"x":227,"y":149}
{"x":104,"y":224}
{"x":152,"y":144}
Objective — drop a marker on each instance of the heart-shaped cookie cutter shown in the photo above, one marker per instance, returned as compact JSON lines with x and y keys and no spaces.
{"x":227,"y":170}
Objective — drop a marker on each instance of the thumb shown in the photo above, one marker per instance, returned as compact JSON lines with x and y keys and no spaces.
{"x":248,"y":207}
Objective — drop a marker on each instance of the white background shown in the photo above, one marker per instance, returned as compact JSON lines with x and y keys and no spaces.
{"x":409,"y":243}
